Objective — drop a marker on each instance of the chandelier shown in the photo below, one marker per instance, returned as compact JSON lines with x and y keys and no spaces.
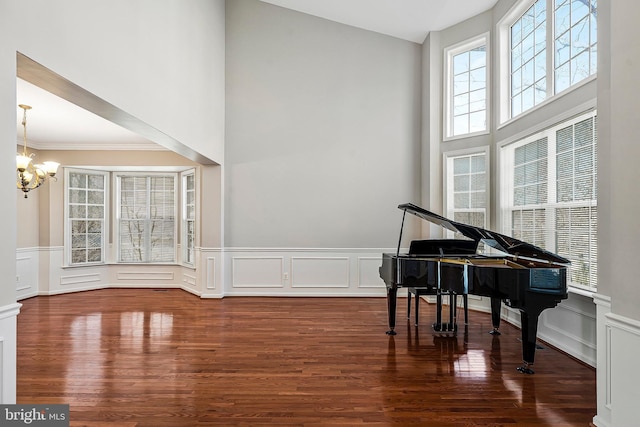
{"x":31,"y":176}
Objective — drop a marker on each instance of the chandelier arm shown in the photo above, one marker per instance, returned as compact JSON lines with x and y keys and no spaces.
{"x":31,"y":176}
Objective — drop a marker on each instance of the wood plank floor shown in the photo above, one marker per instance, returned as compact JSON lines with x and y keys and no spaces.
{"x":142,"y":357}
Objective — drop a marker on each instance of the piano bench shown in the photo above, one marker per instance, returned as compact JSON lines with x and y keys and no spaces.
{"x":418,"y":292}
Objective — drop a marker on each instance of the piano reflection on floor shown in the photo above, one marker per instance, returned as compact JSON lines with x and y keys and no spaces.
{"x":523,"y":276}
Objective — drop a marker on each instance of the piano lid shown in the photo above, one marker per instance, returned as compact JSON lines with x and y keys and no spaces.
{"x":498,"y":241}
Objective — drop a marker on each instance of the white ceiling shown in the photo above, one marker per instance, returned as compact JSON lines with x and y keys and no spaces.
{"x":54,"y":123}
{"x":406,"y":19}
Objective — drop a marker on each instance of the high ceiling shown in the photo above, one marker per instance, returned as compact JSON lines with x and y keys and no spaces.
{"x":54,"y":123}
{"x":405,"y":19}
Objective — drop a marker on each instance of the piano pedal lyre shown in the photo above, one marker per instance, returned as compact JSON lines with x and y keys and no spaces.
{"x":445,"y":328}
{"x":526,"y":368}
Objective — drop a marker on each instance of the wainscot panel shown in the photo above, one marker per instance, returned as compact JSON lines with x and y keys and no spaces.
{"x":624,"y":347}
{"x":319,"y":272}
{"x":302,"y":272}
{"x":257,"y":272}
{"x":27,"y":261}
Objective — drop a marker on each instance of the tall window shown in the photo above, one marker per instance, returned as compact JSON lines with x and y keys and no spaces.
{"x":466,"y":97}
{"x":466,"y":188}
{"x":575,"y":41}
{"x":86,"y":212}
{"x":552,"y":45}
{"x":529,"y":58}
{"x":551,"y":200}
{"x":146,"y":218}
{"x":188,"y":217}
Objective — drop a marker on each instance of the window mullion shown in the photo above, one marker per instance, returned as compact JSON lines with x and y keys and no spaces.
{"x":147,"y":227}
{"x":550,"y":43}
{"x":552,"y":190}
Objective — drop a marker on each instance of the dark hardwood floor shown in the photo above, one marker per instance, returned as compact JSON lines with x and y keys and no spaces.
{"x":141,"y":357}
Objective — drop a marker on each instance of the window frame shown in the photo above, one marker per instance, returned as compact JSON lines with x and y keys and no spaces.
{"x":503,"y":31}
{"x":117,"y":218}
{"x":506,"y":182}
{"x":67,"y":230}
{"x":483,"y":39}
{"x":448,"y":193}
{"x":184,"y":238}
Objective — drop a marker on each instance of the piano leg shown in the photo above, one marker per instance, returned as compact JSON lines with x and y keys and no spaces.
{"x":529,"y":324}
{"x":438,"y":310}
{"x":392,"y":293}
{"x":496,"y":305}
{"x":465,"y":303}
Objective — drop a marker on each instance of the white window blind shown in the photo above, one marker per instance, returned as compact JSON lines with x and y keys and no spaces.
{"x":146,"y":218}
{"x":552,"y":199}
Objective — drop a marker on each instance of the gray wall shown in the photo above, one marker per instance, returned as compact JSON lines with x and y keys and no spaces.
{"x":322,"y":130}
{"x":618,"y":154}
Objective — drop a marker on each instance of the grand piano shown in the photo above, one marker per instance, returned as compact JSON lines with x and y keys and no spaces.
{"x":521,"y":275}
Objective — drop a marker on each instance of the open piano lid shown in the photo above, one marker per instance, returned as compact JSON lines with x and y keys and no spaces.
{"x":503,"y":243}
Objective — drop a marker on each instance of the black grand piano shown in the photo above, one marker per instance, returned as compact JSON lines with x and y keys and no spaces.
{"x":521,"y":275}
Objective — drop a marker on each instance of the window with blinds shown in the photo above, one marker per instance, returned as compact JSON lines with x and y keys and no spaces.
{"x":85,"y":216}
{"x":551,"y":179}
{"x":146,"y":218}
{"x":466,"y":187}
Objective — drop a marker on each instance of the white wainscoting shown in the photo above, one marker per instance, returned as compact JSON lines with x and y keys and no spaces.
{"x":617,"y":372}
{"x":211,"y":273}
{"x":603,"y":369}
{"x":319,"y":272}
{"x":256,"y":272}
{"x":303,"y":272}
{"x":27,"y":262}
{"x":8,"y":348}
{"x":571,"y":327}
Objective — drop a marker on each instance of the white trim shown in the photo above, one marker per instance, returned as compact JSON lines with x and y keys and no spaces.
{"x":568,"y":118}
{"x":183,"y":217}
{"x":10,"y":310}
{"x":297,"y":250}
{"x":602,"y":300}
{"x":551,"y":100}
{"x":8,"y":352}
{"x":624,"y":323}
